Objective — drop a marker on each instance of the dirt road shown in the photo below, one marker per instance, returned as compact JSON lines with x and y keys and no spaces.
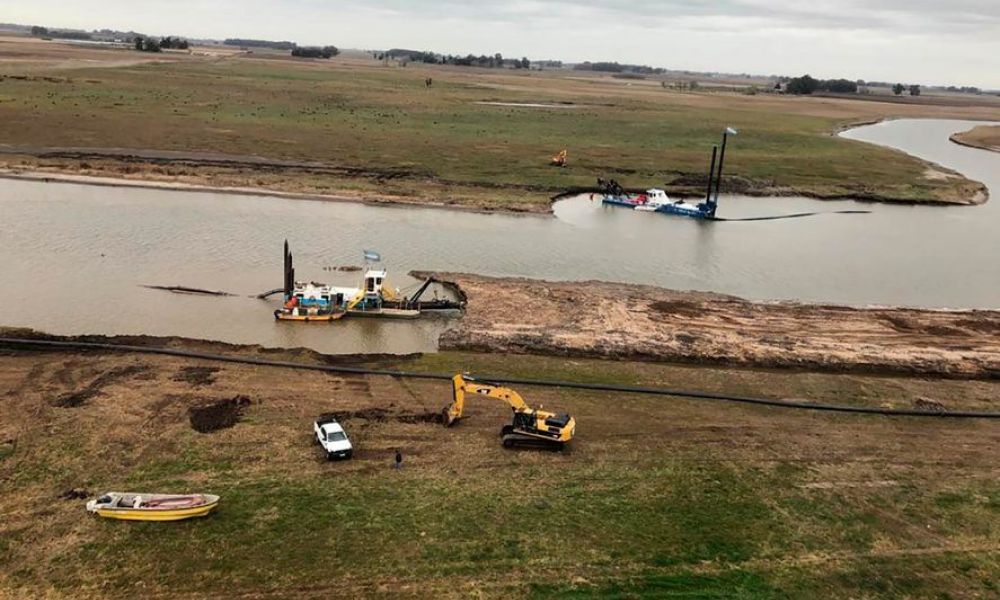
{"x":642,"y":322}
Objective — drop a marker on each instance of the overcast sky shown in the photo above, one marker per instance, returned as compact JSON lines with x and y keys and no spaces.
{"x":920,"y":41}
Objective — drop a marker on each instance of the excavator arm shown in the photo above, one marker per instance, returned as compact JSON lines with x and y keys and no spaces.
{"x":462,"y":384}
{"x":353,"y":302}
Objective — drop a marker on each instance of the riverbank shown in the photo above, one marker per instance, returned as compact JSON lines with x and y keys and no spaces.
{"x":636,"y":322}
{"x":259,"y":176}
{"x":354,"y":128}
{"x":675,"y":494}
{"x":984,"y":137}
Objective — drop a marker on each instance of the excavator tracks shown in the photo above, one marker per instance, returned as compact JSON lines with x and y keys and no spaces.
{"x":512,"y":439}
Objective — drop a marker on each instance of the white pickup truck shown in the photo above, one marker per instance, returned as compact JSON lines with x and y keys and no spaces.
{"x":332,"y":438}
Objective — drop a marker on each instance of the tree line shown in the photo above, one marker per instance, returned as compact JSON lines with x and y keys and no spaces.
{"x":251,"y":43}
{"x":807,"y":85}
{"x":62,"y":35}
{"x":495,"y":61}
{"x":315,"y":51}
{"x":614,"y":67}
{"x":149,"y":44}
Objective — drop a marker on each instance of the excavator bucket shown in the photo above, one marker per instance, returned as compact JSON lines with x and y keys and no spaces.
{"x":449,"y":416}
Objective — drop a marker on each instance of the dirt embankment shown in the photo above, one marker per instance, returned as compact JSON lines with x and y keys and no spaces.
{"x":616,"y":320}
{"x":249,"y":175}
{"x":984,"y":137}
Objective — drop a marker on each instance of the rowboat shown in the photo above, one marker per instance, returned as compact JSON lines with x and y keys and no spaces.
{"x":133,"y":506}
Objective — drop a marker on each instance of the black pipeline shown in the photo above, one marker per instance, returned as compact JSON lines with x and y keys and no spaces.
{"x":695,"y":395}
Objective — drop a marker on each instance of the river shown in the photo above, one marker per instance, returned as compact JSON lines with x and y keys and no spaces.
{"x":74,"y":258}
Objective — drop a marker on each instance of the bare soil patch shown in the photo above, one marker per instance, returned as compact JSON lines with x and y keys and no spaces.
{"x":95,"y":387}
{"x":197,"y":376}
{"x":213,"y":415}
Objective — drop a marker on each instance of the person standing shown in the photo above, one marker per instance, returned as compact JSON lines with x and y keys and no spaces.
{"x":399,"y":459}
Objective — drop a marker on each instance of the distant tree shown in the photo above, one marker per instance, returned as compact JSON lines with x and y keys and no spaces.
{"x":174,"y":42}
{"x":898,"y":89}
{"x":315,"y":52}
{"x":914,"y":90}
{"x":37,"y":30}
{"x":525,"y":63}
{"x":839,"y":86}
{"x":802,"y":85}
{"x":693,"y":85}
{"x":145,"y":44}
{"x":498,"y":59}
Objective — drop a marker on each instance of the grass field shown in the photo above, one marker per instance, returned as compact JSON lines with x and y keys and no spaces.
{"x":394,"y":137}
{"x":656,"y":497}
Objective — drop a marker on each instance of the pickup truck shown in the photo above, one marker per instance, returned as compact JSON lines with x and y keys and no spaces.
{"x":332,"y":438}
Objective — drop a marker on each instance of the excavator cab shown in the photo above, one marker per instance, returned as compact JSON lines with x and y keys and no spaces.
{"x":529,"y":427}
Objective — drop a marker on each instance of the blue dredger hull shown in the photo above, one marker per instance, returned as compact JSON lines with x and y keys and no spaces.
{"x":618,"y":201}
{"x":684,"y":210}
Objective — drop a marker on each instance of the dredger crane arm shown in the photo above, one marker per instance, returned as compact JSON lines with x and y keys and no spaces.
{"x":462,"y":384}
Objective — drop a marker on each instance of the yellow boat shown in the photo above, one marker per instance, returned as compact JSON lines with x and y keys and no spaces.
{"x":132,"y":506}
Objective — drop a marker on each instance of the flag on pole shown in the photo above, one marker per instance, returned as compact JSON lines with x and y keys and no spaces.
{"x":372,"y":256}
{"x":731,"y":131}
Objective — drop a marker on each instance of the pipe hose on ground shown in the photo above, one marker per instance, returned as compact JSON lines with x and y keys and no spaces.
{"x":695,"y":395}
{"x":792,"y":216}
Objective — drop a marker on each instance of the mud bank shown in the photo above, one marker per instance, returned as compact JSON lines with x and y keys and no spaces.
{"x":983,"y":137}
{"x":621,"y":321}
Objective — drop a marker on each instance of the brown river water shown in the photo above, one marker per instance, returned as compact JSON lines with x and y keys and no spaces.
{"x":74,"y":258}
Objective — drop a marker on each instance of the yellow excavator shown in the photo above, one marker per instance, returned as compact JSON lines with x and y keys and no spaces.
{"x":530,"y":427}
{"x":559,"y":160}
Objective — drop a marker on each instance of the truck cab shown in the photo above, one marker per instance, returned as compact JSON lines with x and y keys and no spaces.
{"x":332,"y":438}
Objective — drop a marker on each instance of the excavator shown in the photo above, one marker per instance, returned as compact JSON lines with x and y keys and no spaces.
{"x":559,"y":160}
{"x":530,"y":427}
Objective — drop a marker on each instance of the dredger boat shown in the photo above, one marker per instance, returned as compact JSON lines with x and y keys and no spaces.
{"x":312,"y":302}
{"x":315,"y":302}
